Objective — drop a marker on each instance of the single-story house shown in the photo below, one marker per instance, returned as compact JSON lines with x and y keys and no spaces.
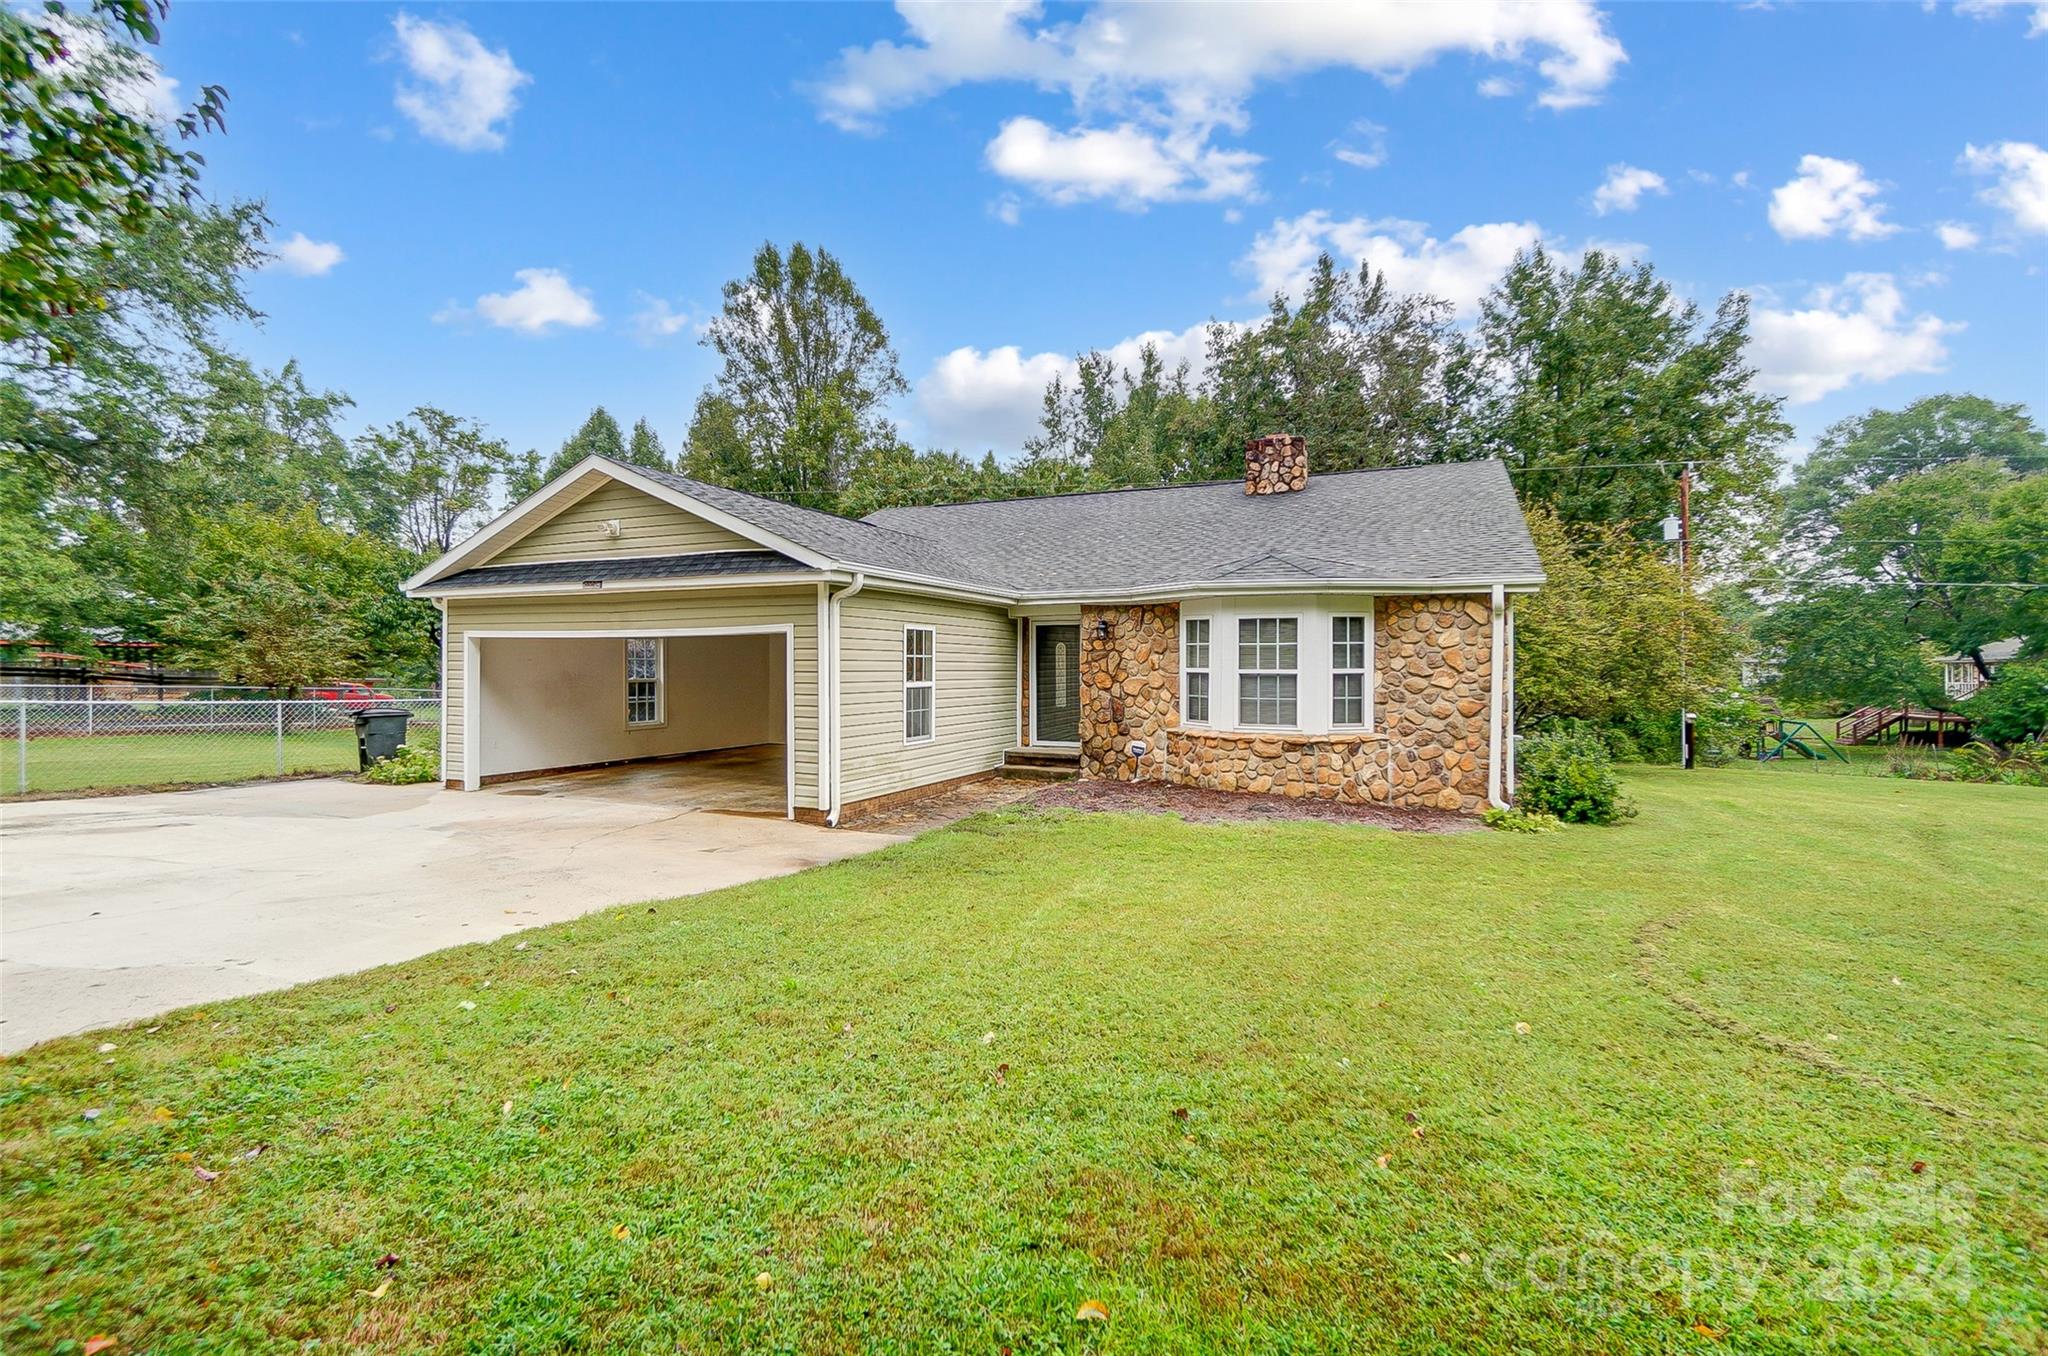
{"x":1960,"y":676}
{"x":1346,"y":635}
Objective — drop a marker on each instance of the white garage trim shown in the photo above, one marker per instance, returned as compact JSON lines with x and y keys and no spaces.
{"x":473,"y":664}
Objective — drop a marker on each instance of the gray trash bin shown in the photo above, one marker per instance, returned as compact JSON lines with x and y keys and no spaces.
{"x":379,"y":732}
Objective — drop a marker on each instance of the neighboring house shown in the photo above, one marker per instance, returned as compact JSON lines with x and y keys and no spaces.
{"x":1348,"y":635}
{"x":1959,"y":673}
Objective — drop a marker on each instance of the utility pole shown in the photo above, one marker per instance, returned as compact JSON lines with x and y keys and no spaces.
{"x":1684,"y":597}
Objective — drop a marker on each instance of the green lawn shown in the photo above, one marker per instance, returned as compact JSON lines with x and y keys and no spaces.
{"x":1254,"y":1088}
{"x":93,"y":762}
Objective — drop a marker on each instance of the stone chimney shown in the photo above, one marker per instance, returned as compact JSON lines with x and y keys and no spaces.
{"x":1275,"y":464}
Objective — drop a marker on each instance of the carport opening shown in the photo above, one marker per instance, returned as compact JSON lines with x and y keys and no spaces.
{"x":698,"y":720}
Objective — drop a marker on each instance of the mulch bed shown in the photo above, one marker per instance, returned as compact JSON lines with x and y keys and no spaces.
{"x":1215,"y":807}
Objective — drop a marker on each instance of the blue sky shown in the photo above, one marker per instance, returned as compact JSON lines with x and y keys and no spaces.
{"x":519,"y":212}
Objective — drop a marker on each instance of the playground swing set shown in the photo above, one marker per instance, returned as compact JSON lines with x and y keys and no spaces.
{"x":1779,"y":737}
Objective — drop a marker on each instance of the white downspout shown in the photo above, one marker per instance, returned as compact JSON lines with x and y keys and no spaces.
{"x":859,"y":582}
{"x":1507,"y":732}
{"x":1493,"y":706}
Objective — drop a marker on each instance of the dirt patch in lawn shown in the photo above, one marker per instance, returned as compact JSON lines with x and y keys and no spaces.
{"x":1210,"y":807}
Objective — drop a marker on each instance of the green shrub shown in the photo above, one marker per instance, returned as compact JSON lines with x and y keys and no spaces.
{"x":2013,"y":709}
{"x":1569,"y":775}
{"x":417,"y":760}
{"x":1515,"y":819}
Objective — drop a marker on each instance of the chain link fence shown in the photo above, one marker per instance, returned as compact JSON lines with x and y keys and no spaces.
{"x":85,"y":743}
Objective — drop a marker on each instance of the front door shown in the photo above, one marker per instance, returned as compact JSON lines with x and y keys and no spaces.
{"x":1056,"y":684}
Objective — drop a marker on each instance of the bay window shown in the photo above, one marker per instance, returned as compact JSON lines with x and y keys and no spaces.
{"x":1268,"y":664}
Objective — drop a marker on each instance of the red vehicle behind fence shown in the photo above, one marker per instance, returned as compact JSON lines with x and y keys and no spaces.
{"x":356,"y":696}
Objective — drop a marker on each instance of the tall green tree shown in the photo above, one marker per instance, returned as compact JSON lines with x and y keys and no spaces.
{"x":1860,"y":453}
{"x":87,"y":161}
{"x":598,"y":436}
{"x":437,"y":470}
{"x":1592,"y":381}
{"x":644,"y":447}
{"x":1361,"y":370}
{"x":1846,"y":645}
{"x":806,"y":369}
{"x":1614,"y":636}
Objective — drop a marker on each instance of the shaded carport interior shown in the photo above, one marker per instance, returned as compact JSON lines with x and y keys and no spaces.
{"x":550,"y":718}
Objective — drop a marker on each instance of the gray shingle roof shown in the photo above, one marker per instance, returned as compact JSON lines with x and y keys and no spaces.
{"x":1451,"y":521}
{"x":626,"y":567}
{"x":1419,"y":524}
{"x":851,"y":541}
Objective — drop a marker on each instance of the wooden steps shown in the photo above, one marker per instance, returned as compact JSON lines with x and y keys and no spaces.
{"x":1042,"y":764}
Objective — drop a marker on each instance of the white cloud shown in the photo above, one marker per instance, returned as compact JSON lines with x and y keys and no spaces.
{"x":1125,"y":164}
{"x":1366,"y":147}
{"x":2037,"y":11}
{"x":1008,"y":209}
{"x":1179,"y":74}
{"x":1459,"y":269}
{"x":656,"y":320}
{"x":2021,"y":190}
{"x":465,"y":92}
{"x":1857,"y":332}
{"x":544,"y":299}
{"x":1497,"y":87}
{"x":1624,"y":188}
{"x":1955,"y":235}
{"x":305,"y":257}
{"x":1828,"y":196}
{"x":977,"y":401}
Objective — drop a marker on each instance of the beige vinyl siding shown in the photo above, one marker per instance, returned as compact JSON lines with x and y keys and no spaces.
{"x":647,"y":527}
{"x":704,"y":609}
{"x":975,"y":692}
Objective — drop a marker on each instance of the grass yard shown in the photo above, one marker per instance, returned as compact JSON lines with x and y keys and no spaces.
{"x":1761,"y":1070}
{"x":95,"y":762}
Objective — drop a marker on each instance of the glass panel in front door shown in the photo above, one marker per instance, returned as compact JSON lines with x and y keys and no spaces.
{"x":1056,"y":684}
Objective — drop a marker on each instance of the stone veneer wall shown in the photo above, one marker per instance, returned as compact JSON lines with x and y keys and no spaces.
{"x":1435,"y":658}
{"x":1428,"y":748}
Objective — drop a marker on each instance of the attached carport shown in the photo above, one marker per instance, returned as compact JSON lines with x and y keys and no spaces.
{"x":668,"y":709}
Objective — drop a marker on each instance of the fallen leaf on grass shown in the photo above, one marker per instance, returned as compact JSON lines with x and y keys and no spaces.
{"x":1919,"y":1166}
{"x":204,"y":1174}
{"x":1384,"y":1159}
{"x":1180,"y":1113}
{"x":1092,"y":1311}
{"x":251,"y":1154}
{"x":378,"y":1293}
{"x":108,"y":1047}
{"x":387,"y":1261}
{"x":183,"y":1156}
{"x":1002,"y":1072}
{"x":764,"y":1281}
{"x":1521,"y":1028}
{"x":1705,"y":1331}
{"x":621,"y":1231}
{"x":467,"y":1006}
{"x":92,"y":1113}
{"x":988,"y":1038}
{"x":1416,"y":1132}
{"x":100,"y":1342}
{"x":162,"y":1113}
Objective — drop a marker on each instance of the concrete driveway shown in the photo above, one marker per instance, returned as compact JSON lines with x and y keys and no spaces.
{"x":124,"y":907}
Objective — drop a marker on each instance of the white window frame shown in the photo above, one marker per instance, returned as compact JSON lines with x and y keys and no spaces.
{"x":1363,"y":672}
{"x":659,"y":680}
{"x":1206,"y":669}
{"x":930,"y":684}
{"x":1295,"y":673}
